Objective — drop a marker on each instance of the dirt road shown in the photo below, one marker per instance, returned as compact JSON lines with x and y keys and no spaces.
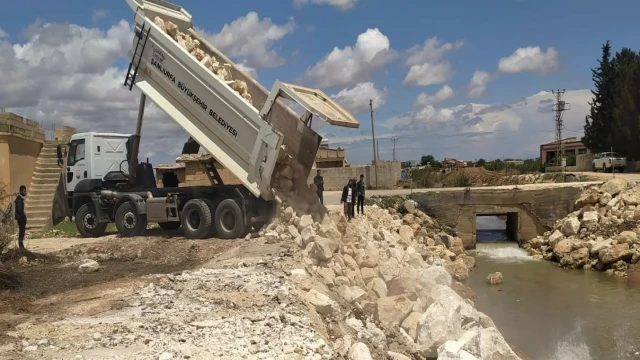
{"x":608,"y":176}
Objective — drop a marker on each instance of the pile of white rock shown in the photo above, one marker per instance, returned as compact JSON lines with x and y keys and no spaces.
{"x":192,"y":46}
{"x":601,"y":233}
{"x":396,"y":273}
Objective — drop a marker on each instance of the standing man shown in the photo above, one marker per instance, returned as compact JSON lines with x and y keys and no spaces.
{"x":21,"y":215}
{"x":319,"y":182}
{"x":361,"y":188}
{"x":347,"y":199}
{"x":354,"y":184}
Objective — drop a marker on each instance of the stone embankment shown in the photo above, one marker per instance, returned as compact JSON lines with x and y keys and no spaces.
{"x":383,"y":286}
{"x":601,"y":233}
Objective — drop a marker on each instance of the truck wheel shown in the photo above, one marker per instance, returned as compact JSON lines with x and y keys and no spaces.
{"x":128,"y":222}
{"x":229,"y":221}
{"x":169,"y":226}
{"x":87,"y":222}
{"x":196,"y":219}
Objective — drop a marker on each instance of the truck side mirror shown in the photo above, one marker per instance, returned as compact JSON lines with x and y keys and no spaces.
{"x":59,"y":151}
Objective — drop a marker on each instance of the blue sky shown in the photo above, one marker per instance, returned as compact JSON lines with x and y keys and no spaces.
{"x":483,"y":33}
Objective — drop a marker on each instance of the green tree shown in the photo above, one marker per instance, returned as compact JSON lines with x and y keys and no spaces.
{"x":597,"y":128}
{"x":481,"y":162}
{"x":430,"y":160}
{"x":627,"y":111}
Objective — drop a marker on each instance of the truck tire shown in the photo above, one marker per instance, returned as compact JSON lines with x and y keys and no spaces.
{"x":212,"y":229}
{"x":128,"y":222}
{"x":196,"y":219}
{"x":87,"y":222}
{"x":229,"y":220}
{"x":169,"y":226}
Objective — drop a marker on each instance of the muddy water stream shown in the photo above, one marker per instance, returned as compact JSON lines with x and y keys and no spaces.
{"x":554,"y":314}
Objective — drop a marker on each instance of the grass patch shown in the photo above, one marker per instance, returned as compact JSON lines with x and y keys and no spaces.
{"x":66,"y":228}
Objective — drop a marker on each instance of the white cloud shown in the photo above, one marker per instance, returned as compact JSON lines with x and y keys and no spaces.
{"x":431,"y":51}
{"x":352,"y":64}
{"x":340,"y":4}
{"x":444,"y":94}
{"x":477,"y":86}
{"x":530,"y":59}
{"x":63,"y":75}
{"x":356,"y":99}
{"x":428,"y":74}
{"x":425,"y":63}
{"x":3,"y":34}
{"x":251,"y":40}
{"x":99,"y":14}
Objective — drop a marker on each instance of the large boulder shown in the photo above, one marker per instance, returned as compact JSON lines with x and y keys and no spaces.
{"x":614,"y":186}
{"x":615,"y":253}
{"x":570,"y":226}
{"x":441,"y":322}
{"x":391,"y":311}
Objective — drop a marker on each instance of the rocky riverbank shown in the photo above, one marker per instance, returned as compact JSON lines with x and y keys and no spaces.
{"x":383,"y":284}
{"x":601,"y":233}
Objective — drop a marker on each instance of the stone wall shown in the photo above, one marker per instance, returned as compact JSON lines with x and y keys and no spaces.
{"x":337,"y":178}
{"x":20,"y":143}
{"x":63,"y":134}
{"x":537,"y":208}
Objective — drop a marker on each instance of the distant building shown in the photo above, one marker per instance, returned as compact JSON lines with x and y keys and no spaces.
{"x":453,"y":163}
{"x":572,"y":146}
{"x":330,"y":158}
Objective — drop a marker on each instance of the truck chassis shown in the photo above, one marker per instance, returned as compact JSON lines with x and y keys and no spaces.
{"x":223,"y":211}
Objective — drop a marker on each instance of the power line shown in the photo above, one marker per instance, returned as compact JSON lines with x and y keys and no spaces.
{"x":559,"y":108}
{"x":394,"y":140}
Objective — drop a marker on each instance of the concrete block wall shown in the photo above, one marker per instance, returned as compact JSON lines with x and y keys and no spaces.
{"x":583,"y":162}
{"x":337,"y":178}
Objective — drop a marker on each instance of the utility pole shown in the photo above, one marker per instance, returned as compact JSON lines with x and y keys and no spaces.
{"x":559,"y":108}
{"x":394,"y":140}
{"x":373,"y":134}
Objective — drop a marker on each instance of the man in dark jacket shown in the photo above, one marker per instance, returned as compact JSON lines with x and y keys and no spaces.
{"x":21,"y":215}
{"x":361,"y":187}
{"x":347,"y":198}
{"x":319,"y":182}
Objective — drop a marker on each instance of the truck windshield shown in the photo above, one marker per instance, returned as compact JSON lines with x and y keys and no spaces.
{"x":76,"y":152}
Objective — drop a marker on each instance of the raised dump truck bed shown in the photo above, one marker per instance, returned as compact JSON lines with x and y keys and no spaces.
{"x":249,"y":139}
{"x":245,"y":140}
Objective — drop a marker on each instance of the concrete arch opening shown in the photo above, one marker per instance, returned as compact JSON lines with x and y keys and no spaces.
{"x":497,"y":227}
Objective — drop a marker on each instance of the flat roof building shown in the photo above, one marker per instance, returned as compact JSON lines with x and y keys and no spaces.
{"x":572,"y":146}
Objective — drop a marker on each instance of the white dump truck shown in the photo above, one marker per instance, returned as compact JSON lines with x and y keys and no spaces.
{"x":225,"y":122}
